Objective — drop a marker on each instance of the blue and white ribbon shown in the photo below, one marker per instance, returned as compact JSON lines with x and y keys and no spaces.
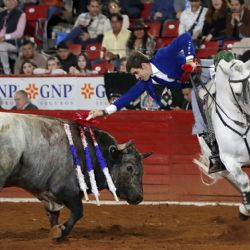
{"x":77,"y":163}
{"x":89,"y":165}
{"x":103,"y":165}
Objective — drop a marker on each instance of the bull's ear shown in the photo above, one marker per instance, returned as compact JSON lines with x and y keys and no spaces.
{"x":145,"y":155}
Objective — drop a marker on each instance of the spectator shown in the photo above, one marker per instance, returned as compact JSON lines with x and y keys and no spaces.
{"x":192,"y":19}
{"x":162,"y":10}
{"x":114,"y":6}
{"x":12,"y":25}
{"x":22,"y":101}
{"x":123,"y":64}
{"x":79,"y":7}
{"x":53,"y":67}
{"x":132,"y":8}
{"x":215,"y":21}
{"x":186,"y":91}
{"x":27,"y":67}
{"x":66,"y":58}
{"x":238,"y":21}
{"x":57,"y":14}
{"x":89,"y":27}
{"x":28,"y":52}
{"x":140,"y":39}
{"x":179,"y":6}
{"x":114,"y":41}
{"x":54,"y":7}
{"x":83,"y":66}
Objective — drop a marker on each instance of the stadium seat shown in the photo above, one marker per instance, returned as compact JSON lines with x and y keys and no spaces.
{"x":170,"y":28}
{"x":103,"y":67}
{"x":146,"y":10}
{"x":93,"y":50}
{"x":76,"y":49}
{"x":155,"y":28}
{"x":163,"y":42}
{"x":208,"y":49}
{"x":37,"y":23}
{"x":228,"y":45}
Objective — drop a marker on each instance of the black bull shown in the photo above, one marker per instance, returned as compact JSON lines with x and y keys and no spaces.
{"x":35,"y":155}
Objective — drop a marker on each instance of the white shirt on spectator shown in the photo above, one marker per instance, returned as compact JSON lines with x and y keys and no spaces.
{"x":188,"y":18}
{"x":96,"y":27}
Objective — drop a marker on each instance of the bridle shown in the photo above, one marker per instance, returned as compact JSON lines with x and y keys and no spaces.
{"x":245,"y":82}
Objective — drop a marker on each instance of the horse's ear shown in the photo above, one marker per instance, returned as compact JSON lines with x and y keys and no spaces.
{"x":247,"y":64}
{"x":224,"y":66}
{"x":239,"y":68}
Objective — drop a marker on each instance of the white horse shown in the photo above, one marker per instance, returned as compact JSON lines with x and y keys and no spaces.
{"x":230,"y":116}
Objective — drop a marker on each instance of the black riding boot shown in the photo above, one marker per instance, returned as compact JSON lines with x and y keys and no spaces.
{"x":216,"y":164}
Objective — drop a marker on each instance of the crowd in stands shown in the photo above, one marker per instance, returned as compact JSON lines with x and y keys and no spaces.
{"x":112,"y":29}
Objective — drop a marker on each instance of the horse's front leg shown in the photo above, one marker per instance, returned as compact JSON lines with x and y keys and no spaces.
{"x":239,"y":179}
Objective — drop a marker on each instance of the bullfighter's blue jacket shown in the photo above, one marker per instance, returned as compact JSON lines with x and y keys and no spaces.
{"x":168,"y":60}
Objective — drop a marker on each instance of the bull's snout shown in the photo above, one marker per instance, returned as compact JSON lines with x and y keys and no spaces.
{"x":138,"y":199}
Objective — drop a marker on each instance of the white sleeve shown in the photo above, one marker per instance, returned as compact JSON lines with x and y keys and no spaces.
{"x":111,"y":109}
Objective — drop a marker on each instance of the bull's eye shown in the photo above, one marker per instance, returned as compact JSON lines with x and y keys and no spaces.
{"x":113,"y":151}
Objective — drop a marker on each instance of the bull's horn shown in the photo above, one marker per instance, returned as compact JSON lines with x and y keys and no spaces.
{"x":123,"y":146}
{"x":145,"y":155}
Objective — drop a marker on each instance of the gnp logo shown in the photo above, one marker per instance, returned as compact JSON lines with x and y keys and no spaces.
{"x":87,"y":91}
{"x":32,"y":91}
{"x":48,"y":90}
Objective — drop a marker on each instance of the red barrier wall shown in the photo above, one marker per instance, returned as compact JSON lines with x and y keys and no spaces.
{"x":169,"y":173}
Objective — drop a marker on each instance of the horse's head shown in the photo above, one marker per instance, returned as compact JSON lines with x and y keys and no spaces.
{"x":237,"y":74}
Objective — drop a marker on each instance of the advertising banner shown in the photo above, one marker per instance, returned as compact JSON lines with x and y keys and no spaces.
{"x":65,"y":93}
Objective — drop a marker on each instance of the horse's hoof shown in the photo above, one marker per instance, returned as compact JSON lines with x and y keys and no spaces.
{"x":56,"y":232}
{"x":243,"y":217}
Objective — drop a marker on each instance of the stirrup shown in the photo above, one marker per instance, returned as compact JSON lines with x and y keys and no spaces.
{"x":216,"y":165}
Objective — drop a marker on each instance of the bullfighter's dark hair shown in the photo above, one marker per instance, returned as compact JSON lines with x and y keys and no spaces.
{"x":135,"y":60}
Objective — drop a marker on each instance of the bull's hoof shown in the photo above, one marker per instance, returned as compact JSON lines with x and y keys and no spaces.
{"x":243,"y":217}
{"x":56,"y":232}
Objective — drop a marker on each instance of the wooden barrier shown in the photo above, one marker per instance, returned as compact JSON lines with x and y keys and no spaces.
{"x":169,"y":173}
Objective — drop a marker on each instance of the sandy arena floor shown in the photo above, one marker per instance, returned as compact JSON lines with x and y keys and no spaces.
{"x":25,"y":226}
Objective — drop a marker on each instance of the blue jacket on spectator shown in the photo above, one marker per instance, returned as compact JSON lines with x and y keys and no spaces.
{"x":163,"y":6}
